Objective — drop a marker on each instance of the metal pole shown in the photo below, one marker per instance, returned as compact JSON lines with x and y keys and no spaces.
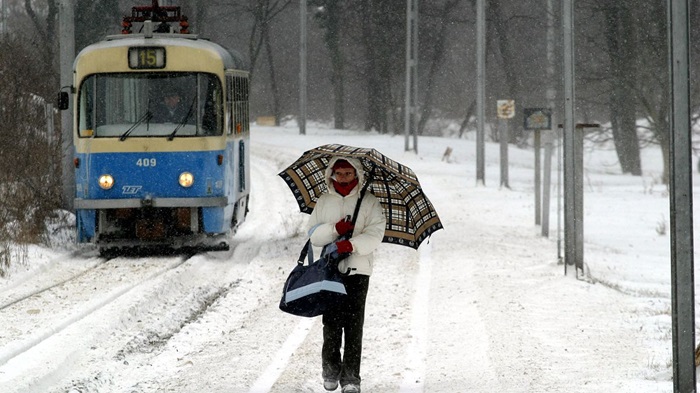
{"x":415,"y":76}
{"x":573,"y":200}
{"x":302,"y":68}
{"x":407,"y":95}
{"x":546,"y":181}
{"x":577,"y":190}
{"x":411,"y":99}
{"x":560,"y":174}
{"x":66,"y":56}
{"x":681,"y":200}
{"x":538,"y":177}
{"x":549,"y":134}
{"x":480,"y":88}
{"x":503,"y":139}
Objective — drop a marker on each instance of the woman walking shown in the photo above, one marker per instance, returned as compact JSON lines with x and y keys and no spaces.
{"x":331,"y":225}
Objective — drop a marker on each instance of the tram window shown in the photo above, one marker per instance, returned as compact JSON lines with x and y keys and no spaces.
{"x":241,"y":166}
{"x":211,"y":106}
{"x":240,"y":105}
{"x":229,"y":104}
{"x":150,"y":105}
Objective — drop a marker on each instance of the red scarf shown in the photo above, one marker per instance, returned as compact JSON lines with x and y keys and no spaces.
{"x":345,"y":188}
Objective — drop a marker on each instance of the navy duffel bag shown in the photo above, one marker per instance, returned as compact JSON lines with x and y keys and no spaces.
{"x":313,"y":288}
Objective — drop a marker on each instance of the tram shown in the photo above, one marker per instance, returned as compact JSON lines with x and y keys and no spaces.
{"x":161,"y":137}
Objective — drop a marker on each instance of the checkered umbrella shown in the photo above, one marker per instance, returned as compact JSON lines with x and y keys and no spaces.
{"x":410,"y":217}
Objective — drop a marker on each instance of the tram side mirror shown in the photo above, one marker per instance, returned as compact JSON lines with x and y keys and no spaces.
{"x":63,"y":100}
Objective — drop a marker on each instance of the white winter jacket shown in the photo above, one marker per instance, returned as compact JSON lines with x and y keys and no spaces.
{"x":332,"y":207}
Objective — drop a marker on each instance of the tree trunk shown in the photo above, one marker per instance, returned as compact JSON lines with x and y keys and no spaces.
{"x":438,"y":56}
{"x":382,"y":31}
{"x":465,"y":122}
{"x":663,"y":136}
{"x":374,"y":113}
{"x":619,"y":33}
{"x":276,"y":108}
{"x":331,"y":20}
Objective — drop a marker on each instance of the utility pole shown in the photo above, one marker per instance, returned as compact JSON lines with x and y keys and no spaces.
{"x":67,"y":54}
{"x":411,"y":99}
{"x":573,"y":141}
{"x":681,"y":200}
{"x":549,"y":134}
{"x":302,"y":68}
{"x":480,"y":88}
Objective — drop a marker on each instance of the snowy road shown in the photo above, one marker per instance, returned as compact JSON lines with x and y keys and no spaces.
{"x":483,"y":307}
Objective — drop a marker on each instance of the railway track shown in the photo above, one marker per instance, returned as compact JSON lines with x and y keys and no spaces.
{"x":35,"y":292}
{"x":51,"y":308}
{"x":18,"y":295}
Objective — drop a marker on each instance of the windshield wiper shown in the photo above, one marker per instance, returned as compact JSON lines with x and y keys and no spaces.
{"x":145,"y":117}
{"x":183,"y":122}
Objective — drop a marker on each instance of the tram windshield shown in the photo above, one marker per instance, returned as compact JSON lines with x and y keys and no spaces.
{"x":172,"y":105}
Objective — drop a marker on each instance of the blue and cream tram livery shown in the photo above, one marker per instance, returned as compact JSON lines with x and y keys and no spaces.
{"x":145,"y":179}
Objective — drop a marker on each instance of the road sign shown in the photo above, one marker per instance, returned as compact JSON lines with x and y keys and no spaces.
{"x":537,"y":119}
{"x":505,"y":109}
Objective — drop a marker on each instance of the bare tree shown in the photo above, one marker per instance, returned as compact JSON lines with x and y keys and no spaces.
{"x":30,"y":187}
{"x":44,"y":18}
{"x":262,"y":13}
{"x":198,"y":13}
{"x":95,"y":19}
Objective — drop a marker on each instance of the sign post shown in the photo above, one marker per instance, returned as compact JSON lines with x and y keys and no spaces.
{"x":480,"y":89}
{"x":505,"y":110}
{"x":539,"y":120}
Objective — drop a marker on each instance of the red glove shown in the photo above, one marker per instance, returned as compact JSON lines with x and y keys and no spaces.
{"x":344,"y":246}
{"x":343,"y":227}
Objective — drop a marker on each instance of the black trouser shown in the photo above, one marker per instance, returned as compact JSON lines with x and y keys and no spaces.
{"x":347,"y":317}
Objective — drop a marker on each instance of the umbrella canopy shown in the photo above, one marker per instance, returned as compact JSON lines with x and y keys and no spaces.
{"x":410,"y":216}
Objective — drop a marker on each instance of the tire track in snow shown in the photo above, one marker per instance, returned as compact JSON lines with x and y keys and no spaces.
{"x":269,"y":377}
{"x":277,"y":194}
{"x":270,"y":198}
{"x":414,"y":376}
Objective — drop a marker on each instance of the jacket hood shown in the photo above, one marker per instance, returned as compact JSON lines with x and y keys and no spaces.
{"x":355,"y":164}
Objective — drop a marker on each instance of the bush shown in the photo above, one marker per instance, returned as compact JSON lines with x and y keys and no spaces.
{"x":30,"y":182}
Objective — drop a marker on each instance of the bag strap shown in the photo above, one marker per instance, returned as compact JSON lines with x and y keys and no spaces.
{"x":357,"y":205}
{"x":307,"y":249}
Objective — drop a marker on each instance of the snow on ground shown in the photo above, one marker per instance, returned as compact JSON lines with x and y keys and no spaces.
{"x":483,"y":306}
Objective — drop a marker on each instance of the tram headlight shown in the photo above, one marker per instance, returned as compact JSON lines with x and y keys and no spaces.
{"x":106,"y":182}
{"x":186,"y":179}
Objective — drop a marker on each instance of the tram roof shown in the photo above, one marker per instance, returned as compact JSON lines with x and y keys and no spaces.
{"x":231,"y":58}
